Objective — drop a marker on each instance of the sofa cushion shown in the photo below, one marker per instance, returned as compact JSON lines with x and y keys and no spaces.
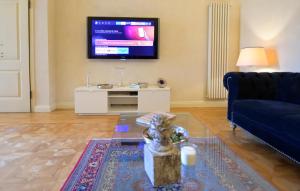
{"x":289,"y":90}
{"x":290,"y":126}
{"x":267,"y":112}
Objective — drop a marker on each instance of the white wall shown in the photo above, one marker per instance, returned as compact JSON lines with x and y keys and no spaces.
{"x":183,"y":46}
{"x":273,"y":24}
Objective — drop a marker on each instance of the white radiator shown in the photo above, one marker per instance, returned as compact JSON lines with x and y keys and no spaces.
{"x":218,"y":29}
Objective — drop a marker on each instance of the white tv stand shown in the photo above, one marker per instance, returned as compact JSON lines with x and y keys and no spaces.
{"x":92,"y":100}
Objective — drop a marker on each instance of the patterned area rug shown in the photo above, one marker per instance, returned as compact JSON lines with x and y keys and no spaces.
{"x":107,"y":166}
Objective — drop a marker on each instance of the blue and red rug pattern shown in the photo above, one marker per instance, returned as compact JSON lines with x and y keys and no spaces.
{"x":110,"y":166}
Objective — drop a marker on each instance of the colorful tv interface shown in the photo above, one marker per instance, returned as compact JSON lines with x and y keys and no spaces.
{"x":122,"y":38}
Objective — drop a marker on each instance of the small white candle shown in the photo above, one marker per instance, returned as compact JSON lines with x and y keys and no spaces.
{"x":188,"y":155}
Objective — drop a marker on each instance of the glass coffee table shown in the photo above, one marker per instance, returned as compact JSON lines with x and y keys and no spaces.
{"x":127,"y":130}
{"x":217,"y":167}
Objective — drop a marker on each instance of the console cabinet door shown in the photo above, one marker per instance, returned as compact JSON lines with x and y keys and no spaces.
{"x":91,"y":102}
{"x":153,"y":100}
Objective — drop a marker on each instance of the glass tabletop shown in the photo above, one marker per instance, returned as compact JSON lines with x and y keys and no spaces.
{"x":128,"y":130}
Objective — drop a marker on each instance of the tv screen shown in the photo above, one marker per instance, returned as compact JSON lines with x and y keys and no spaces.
{"x":122,"y":38}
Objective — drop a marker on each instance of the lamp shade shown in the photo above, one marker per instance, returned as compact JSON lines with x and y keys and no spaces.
{"x":253,"y":57}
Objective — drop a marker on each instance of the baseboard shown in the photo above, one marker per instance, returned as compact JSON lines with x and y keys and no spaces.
{"x":201,"y":103}
{"x":70,"y":105}
{"x":65,"y":105}
{"x":44,"y":108}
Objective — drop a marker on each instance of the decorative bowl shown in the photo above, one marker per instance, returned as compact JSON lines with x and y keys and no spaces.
{"x":146,"y":136}
{"x":142,"y":84}
{"x":179,"y":135}
{"x":105,"y":86}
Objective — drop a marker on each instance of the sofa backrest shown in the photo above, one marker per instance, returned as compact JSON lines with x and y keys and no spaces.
{"x":257,"y":86}
{"x":281,"y":86}
{"x":289,"y":88}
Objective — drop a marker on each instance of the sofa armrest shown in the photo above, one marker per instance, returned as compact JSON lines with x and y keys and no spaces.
{"x":251,"y":85}
{"x":231,"y":83}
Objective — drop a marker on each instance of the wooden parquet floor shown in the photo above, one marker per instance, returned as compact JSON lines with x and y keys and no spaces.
{"x":38,"y":150}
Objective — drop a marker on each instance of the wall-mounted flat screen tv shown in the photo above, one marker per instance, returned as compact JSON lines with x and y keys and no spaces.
{"x":122,"y":38}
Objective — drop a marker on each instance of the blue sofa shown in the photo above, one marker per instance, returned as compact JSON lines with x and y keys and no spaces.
{"x":268,"y":106}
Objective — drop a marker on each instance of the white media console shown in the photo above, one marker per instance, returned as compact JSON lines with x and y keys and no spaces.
{"x":92,"y":100}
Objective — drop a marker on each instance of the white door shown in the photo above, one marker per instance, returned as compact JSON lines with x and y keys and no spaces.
{"x":14,"y":56}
